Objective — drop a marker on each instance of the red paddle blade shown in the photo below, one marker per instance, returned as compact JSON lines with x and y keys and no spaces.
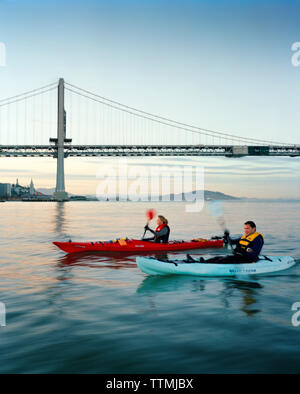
{"x":150,"y":214}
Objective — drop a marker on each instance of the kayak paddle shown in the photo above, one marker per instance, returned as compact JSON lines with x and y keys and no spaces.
{"x":216,"y":210}
{"x":149,"y":215}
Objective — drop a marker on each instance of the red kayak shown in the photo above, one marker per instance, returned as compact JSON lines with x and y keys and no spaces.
{"x":136,"y":246}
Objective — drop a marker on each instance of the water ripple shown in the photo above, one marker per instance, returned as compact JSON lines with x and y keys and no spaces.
{"x":99,"y":314}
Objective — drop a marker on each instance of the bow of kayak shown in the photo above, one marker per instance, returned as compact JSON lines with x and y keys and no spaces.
{"x":270,"y":264}
{"x":137,"y":246}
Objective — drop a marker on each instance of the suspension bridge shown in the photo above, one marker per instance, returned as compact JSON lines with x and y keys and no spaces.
{"x":37,"y":123}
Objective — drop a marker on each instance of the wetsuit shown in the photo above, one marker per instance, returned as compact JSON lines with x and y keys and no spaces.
{"x":161,"y":234}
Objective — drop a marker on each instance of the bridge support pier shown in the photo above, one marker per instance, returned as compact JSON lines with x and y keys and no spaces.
{"x":60,"y":194}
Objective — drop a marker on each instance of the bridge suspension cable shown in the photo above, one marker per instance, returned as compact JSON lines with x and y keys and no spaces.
{"x":139,"y":125}
{"x":167,"y":121}
{"x":26,"y":95}
{"x":28,"y":118}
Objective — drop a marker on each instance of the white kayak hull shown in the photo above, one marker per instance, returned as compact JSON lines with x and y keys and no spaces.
{"x":152,"y":266}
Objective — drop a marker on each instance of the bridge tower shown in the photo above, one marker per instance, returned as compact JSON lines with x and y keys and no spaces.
{"x":60,"y":194}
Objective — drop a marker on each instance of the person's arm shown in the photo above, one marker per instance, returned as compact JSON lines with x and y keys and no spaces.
{"x":256,"y":248}
{"x":149,"y":239}
{"x":229,"y":240}
{"x":235,"y":241}
{"x":150,"y":229}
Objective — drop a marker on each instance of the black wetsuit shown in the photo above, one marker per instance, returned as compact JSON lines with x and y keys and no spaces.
{"x":230,"y":259}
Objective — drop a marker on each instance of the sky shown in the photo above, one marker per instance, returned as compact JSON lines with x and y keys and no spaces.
{"x":220,"y":65}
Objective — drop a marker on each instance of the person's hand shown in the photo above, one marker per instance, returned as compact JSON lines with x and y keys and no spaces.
{"x":146,"y":227}
{"x":226,"y":235}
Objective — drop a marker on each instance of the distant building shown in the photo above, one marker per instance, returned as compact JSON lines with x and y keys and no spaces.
{"x":31,"y":188}
{"x":5,"y":190}
{"x":19,"y":192}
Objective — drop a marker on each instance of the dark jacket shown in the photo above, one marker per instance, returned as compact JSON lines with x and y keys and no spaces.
{"x":161,"y":236}
{"x":255,"y":246}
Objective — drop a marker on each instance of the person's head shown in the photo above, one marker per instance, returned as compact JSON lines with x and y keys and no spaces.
{"x":161,"y":220}
{"x":249,"y":227}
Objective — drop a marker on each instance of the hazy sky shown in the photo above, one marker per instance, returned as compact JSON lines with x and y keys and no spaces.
{"x":221,"y":65}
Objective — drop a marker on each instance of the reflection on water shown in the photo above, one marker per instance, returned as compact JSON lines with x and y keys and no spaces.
{"x":99,"y":313}
{"x":97,"y":260}
{"x":92,"y":258}
{"x":59,"y":218}
{"x":247,"y":290}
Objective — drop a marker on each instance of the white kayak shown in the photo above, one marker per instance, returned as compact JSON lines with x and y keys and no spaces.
{"x":265,"y":265}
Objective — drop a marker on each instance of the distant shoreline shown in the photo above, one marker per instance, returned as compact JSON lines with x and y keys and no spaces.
{"x":243,"y":200}
{"x":185,"y":197}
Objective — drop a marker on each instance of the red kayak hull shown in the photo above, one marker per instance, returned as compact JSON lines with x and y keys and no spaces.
{"x":137,"y":246}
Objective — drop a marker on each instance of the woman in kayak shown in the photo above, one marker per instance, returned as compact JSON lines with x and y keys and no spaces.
{"x":162,"y":231}
{"x":247,"y":250}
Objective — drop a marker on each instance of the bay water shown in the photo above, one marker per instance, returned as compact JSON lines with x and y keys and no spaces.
{"x":91,"y":313}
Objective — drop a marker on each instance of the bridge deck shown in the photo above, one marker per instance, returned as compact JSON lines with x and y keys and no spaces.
{"x":148,"y":150}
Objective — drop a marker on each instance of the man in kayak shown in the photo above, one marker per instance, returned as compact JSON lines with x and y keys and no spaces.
{"x":250,"y":244}
{"x":247,"y":250}
{"x":162,"y":232}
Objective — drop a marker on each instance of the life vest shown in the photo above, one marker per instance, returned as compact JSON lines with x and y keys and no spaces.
{"x":246,"y":240}
{"x":160,"y":227}
{"x":163,"y":238}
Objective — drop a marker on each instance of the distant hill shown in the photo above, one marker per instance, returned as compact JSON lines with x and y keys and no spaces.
{"x":189,"y":196}
{"x":48,"y":191}
{"x":208,"y":195}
